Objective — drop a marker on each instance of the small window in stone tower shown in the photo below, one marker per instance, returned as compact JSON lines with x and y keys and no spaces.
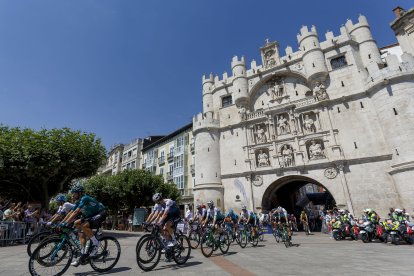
{"x":338,"y":62}
{"x":226,"y":101}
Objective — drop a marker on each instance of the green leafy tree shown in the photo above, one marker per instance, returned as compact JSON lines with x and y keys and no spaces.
{"x":35,"y":165}
{"x":129,"y":189}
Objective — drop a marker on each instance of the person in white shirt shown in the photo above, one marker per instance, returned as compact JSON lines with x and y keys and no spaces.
{"x":189,"y":213}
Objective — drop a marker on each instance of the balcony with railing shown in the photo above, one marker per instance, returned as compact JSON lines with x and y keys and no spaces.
{"x":179,"y":150}
{"x":170,"y":156}
{"x":161,"y":160}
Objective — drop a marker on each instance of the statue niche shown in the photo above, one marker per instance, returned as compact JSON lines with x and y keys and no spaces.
{"x":286,"y":158}
{"x":282,"y":124}
{"x":260,"y":133}
{"x":309,"y":122}
{"x":276,"y":88}
{"x":316,"y":149}
{"x":262,"y":157}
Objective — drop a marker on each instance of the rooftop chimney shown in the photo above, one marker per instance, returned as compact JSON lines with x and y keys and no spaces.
{"x":398,"y":11}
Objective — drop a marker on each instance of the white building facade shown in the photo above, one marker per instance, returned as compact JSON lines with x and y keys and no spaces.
{"x":333,"y":113}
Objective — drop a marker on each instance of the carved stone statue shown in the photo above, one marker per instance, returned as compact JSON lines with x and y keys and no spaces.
{"x":283,"y":125}
{"x":315,"y":151}
{"x":320,"y":91}
{"x":262,"y":159}
{"x":269,"y":60}
{"x":287,"y":155}
{"x":309,"y":125}
{"x":261,"y":135}
{"x":243,"y":113}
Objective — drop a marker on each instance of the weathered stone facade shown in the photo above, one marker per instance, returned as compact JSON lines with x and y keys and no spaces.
{"x":332,"y":113}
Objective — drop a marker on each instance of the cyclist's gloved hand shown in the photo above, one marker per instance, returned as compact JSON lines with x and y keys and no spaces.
{"x":49,"y":223}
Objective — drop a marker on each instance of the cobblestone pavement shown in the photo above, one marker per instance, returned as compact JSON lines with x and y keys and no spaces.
{"x":313,"y":255}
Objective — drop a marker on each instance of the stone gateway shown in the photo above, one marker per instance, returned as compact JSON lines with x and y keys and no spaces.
{"x":334,"y":113}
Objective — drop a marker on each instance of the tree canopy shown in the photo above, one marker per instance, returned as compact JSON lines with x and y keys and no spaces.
{"x":35,"y":165}
{"x":129,"y":189}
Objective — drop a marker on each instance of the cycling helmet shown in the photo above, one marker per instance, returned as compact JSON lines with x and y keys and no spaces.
{"x":60,"y":198}
{"x":399,"y":211}
{"x":156,"y":197}
{"x":198,"y":206}
{"x":231,"y":211}
{"x":210,"y":203}
{"x":77,"y":189}
{"x":244,"y":207}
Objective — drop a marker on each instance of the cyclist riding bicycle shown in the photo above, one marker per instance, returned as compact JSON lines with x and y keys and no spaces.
{"x":167,"y":217}
{"x":201,"y":213}
{"x":304,"y":221}
{"x":157,"y":211}
{"x":64,"y":208}
{"x":249,"y":217}
{"x":87,"y":214}
{"x":213,"y":214}
{"x":279,"y":214}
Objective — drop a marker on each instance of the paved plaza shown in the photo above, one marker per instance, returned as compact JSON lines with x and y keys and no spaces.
{"x":313,"y":255}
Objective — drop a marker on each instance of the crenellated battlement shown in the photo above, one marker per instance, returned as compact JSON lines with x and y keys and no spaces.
{"x":362,"y":22}
{"x":304,"y":33}
{"x":238,"y":62}
{"x":207,"y":79}
{"x":291,"y":56}
{"x":393,"y":69}
{"x":207,"y":121}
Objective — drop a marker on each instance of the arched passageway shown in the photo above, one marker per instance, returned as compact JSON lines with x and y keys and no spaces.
{"x":295,"y":193}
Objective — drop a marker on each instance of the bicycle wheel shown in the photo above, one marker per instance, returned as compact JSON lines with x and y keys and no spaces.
{"x":36,"y":240}
{"x":51,"y":257}
{"x":224,"y":242}
{"x":107,"y":256}
{"x":207,"y":244}
{"x":277,"y":235}
{"x":149,"y":253}
{"x":242,"y":239}
{"x":255,"y":240}
{"x":194,"y":238}
{"x":139,"y":241}
{"x":182,"y":250}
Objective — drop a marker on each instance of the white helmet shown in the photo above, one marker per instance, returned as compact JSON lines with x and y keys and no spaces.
{"x":210,"y":203}
{"x":156,"y":197}
{"x":244,"y":207}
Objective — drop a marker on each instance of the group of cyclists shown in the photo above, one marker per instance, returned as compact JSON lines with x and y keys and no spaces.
{"x":87,"y":213}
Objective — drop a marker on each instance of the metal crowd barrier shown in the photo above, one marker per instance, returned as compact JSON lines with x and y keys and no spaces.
{"x":16,"y":232}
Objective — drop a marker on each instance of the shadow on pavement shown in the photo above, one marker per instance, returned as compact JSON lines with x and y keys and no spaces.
{"x":228,"y":254}
{"x":114,"y":270}
{"x":174,"y":266}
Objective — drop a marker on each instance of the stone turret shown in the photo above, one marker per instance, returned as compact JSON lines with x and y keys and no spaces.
{"x":391,"y":93}
{"x":240,"y":85}
{"x":313,"y":57}
{"x":361,"y":33}
{"x":208,"y":184}
{"x":208,"y":83}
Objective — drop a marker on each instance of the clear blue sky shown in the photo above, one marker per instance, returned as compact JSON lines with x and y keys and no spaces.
{"x":126,"y":69}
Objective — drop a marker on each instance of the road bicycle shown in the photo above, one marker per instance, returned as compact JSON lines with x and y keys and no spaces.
{"x":54,"y":255}
{"x":212,"y":241}
{"x":150,"y":247}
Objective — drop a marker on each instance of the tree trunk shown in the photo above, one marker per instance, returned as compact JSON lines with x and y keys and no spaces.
{"x":45,"y":196}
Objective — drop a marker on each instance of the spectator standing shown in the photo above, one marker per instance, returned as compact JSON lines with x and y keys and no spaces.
{"x":8,"y":215}
{"x":189,"y":213}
